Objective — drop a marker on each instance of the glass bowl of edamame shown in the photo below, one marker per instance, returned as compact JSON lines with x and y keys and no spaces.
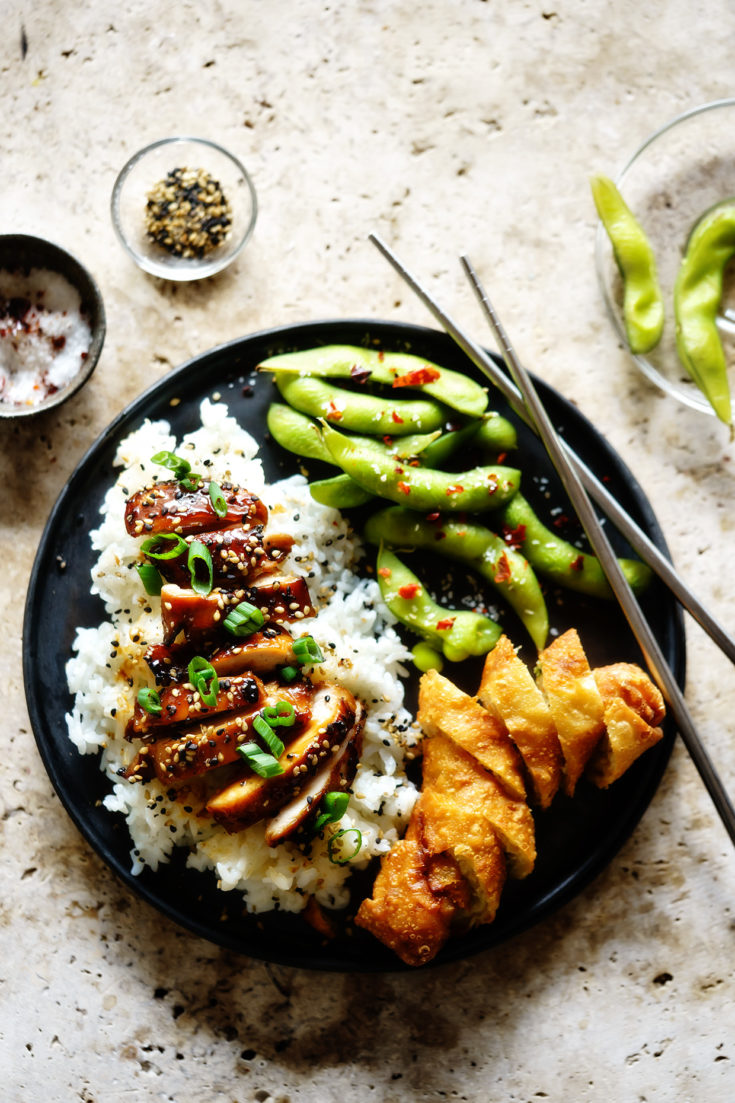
{"x":679,"y":174}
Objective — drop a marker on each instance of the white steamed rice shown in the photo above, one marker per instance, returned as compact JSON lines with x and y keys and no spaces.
{"x":354,"y":629}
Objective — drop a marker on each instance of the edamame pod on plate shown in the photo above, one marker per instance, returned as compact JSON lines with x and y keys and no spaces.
{"x":480,"y":548}
{"x":422,"y":488}
{"x":361,"y":413}
{"x":560,"y":561}
{"x":394,"y":369}
{"x":697,"y":295}
{"x":302,"y":435}
{"x":457,"y":633}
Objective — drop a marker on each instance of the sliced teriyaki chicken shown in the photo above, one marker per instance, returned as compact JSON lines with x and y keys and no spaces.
{"x":252,"y":798}
{"x":446,"y":826}
{"x":280,"y":598}
{"x":264,"y":650}
{"x":575,"y":702}
{"x":199,"y":748}
{"x":445,"y":709}
{"x":633,"y":708}
{"x":452,"y":772}
{"x":238,"y":556}
{"x":403,"y":912}
{"x":167,"y":507}
{"x":335,"y":776}
{"x":508,"y":688}
{"x":181,"y":704}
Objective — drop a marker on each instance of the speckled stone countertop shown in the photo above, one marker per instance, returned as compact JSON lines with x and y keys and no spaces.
{"x":447,"y":126}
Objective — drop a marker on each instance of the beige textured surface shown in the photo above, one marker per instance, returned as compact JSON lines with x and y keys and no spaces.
{"x":445,"y":126}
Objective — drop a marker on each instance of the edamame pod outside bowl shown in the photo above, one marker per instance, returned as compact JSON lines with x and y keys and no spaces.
{"x":678,"y":174}
{"x":576,"y":838}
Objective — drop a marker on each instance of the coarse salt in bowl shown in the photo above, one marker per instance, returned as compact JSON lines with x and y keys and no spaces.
{"x":52,"y":325}
{"x":183,"y":208}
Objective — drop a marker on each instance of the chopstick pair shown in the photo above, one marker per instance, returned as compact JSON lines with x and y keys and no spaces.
{"x":578,"y":480}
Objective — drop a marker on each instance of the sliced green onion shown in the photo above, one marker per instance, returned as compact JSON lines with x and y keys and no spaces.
{"x":203,"y":677}
{"x":307,"y":650}
{"x":177,"y":464}
{"x":269,"y":737}
{"x":288,"y":673}
{"x":150,"y":578}
{"x":199,"y":553}
{"x":179,"y":546}
{"x":149,"y":700}
{"x":244,"y":619}
{"x":217,"y":499}
{"x":191,"y":481}
{"x":264,"y":765}
{"x":342,"y":861}
{"x":335,"y":806}
{"x":280,"y":715}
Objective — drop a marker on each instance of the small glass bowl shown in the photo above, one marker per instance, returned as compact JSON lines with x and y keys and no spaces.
{"x":679,"y":173}
{"x":153,"y":164}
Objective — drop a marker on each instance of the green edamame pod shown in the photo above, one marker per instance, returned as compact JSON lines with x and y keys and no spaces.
{"x":302,"y":435}
{"x":458,"y":633}
{"x":482,"y":550}
{"x":422,"y":488}
{"x":697,"y":295}
{"x":396,"y":369}
{"x":425,"y":658}
{"x":339,"y":492}
{"x":643,"y":309}
{"x":560,"y":561}
{"x":491,"y":433}
{"x":495,"y":433}
{"x":362,"y":413}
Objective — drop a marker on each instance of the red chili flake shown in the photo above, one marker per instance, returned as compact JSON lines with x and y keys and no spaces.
{"x":514,"y":537}
{"x":404,"y":488}
{"x":577,"y":564}
{"x":387,"y":440}
{"x":360,"y":374}
{"x":381,"y":356}
{"x":414,"y":463}
{"x":502,"y":569}
{"x":445,"y":625}
{"x":396,"y":417}
{"x":333,"y":414}
{"x":411,"y":589}
{"x":456,"y":489}
{"x":441,"y":535}
{"x":493,"y":481}
{"x":416,"y":378}
{"x":502,"y":457}
{"x":384,"y":572}
{"x":560,"y":521}
{"x":433,"y":516}
{"x":399,"y":470}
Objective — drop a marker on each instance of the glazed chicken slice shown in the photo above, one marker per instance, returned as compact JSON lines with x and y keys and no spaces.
{"x":335,"y":776}
{"x":575,"y":703}
{"x":264,"y":650}
{"x":280,"y":598}
{"x":238,"y":556}
{"x":166,"y":508}
{"x":203,"y":747}
{"x":181,"y":704}
{"x":633,"y":708}
{"x":507,"y":687}
{"x":445,"y":709}
{"x":252,"y":798}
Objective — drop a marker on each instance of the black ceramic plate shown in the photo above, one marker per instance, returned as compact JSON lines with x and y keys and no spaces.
{"x":576,"y":838}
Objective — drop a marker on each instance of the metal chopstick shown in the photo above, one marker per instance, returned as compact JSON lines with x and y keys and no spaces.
{"x":604,"y":552}
{"x":647,"y":550}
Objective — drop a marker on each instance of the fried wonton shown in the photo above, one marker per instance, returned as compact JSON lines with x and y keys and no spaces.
{"x":633,"y":709}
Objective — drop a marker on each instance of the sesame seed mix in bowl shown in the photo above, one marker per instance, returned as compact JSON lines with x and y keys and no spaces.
{"x":351,"y":631}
